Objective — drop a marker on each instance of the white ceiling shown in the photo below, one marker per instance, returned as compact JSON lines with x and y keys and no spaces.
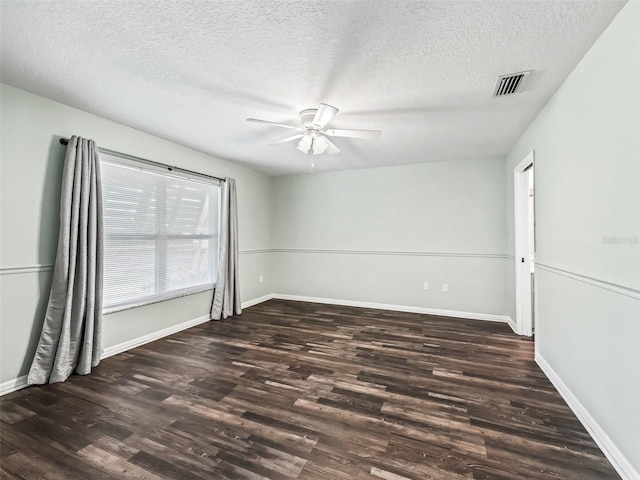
{"x":191,"y":71}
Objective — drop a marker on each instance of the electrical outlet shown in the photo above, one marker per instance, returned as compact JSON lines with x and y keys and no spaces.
{"x":426,"y":285}
{"x":260,"y":279}
{"x":445,"y":287}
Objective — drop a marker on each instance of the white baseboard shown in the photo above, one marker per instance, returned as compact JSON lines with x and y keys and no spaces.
{"x":150,"y":337}
{"x":399,"y":308}
{"x":610,"y":450}
{"x":13,"y":385}
{"x":255,"y":301}
{"x":136,"y":342}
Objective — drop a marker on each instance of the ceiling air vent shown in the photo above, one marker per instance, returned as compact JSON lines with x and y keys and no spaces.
{"x":511,"y":83}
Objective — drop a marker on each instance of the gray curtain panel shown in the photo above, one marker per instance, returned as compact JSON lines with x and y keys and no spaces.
{"x":226,"y":296}
{"x":70,"y":339}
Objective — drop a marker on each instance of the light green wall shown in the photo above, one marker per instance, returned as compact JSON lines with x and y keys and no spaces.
{"x":376,"y":235}
{"x":587,"y":180}
{"x":31,"y":172}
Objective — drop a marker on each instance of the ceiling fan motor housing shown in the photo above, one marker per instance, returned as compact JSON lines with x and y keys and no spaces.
{"x":307,"y":116}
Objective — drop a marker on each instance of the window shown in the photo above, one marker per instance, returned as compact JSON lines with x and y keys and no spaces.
{"x":160,"y":233}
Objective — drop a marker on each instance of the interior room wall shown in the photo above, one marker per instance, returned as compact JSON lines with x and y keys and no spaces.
{"x":376,"y":235}
{"x":31,"y":172}
{"x":587,"y":200}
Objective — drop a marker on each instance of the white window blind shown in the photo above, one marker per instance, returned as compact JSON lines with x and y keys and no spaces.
{"x":160,"y":234}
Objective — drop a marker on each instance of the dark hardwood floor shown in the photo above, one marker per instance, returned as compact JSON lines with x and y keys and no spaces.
{"x":306,"y":391}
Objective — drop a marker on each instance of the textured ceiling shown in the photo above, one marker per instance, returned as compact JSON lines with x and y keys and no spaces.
{"x":192,"y":71}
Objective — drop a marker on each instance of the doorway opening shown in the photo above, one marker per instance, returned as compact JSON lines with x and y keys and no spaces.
{"x":524,"y":211}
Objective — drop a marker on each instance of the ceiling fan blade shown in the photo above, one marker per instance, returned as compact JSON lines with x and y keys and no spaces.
{"x":257,"y":120}
{"x":288,"y":139}
{"x":354,"y":133}
{"x":332,"y":149}
{"x":324,"y":115}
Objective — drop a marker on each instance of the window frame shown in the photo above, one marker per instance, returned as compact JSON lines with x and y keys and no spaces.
{"x":163,"y":238}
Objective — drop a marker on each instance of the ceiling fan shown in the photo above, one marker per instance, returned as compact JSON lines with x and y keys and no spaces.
{"x":312,"y":133}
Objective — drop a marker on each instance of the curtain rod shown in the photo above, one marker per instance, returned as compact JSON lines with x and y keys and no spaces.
{"x":65,"y":141}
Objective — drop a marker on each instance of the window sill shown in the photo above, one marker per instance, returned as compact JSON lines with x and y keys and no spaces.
{"x":150,"y":301}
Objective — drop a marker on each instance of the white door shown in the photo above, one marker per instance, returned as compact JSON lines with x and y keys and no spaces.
{"x":524,"y":247}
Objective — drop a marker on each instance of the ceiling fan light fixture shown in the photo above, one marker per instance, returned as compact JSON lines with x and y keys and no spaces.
{"x":314,"y":139}
{"x":304,"y":145}
{"x":319,"y":145}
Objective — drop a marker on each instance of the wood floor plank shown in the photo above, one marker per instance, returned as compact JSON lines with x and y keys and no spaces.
{"x":294,"y":390}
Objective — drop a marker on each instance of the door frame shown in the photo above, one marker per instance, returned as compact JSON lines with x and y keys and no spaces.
{"x":524,"y":317}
